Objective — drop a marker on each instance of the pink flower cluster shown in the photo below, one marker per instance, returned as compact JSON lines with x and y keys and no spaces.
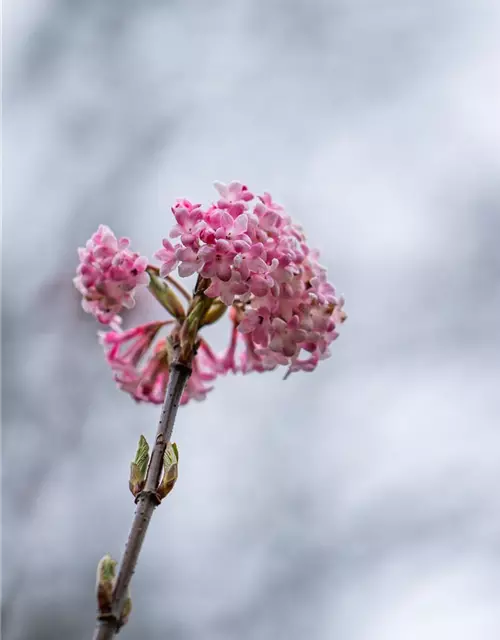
{"x":258,"y":261}
{"x":142,"y":370}
{"x":283,"y":310}
{"x":108,"y":274}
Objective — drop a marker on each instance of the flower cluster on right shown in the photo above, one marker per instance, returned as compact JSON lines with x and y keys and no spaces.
{"x":257,"y":262}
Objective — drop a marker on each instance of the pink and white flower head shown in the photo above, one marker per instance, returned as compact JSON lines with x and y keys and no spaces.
{"x":259,"y":261}
{"x":108,"y":275}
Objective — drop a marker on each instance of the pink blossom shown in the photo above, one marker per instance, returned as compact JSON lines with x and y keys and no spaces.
{"x":256,"y":322}
{"x":286,"y":336}
{"x":108,"y":275}
{"x":189,"y":222}
{"x":168,"y":257}
{"x":125,"y":349}
{"x":141,"y":368}
{"x":217,"y":260}
{"x":231,"y":194}
{"x":190,"y":261}
{"x":257,"y":259}
{"x":251,"y":361}
{"x":125,"y":352}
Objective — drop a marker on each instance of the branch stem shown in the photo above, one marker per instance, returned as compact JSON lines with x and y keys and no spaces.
{"x":108,"y":626}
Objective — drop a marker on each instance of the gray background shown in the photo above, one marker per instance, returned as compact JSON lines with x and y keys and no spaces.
{"x":360,"y":502}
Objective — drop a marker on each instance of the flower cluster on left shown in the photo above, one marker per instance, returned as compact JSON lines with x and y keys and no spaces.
{"x":108,"y":276}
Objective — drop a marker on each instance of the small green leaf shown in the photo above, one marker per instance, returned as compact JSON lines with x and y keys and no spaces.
{"x":170,"y":470}
{"x":176,"y":451}
{"x":171,"y":455}
{"x":139,"y":467}
{"x":136,"y":480}
{"x":142,"y":455}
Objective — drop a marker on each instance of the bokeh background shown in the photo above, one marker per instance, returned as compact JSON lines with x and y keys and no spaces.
{"x":360,"y":502}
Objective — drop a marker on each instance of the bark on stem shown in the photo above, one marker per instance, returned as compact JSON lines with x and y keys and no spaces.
{"x":147,"y":500}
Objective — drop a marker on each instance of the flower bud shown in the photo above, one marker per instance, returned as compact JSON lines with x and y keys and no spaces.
{"x":104,"y":584}
{"x":214,"y":313}
{"x":127,"y":608}
{"x":165,"y":296}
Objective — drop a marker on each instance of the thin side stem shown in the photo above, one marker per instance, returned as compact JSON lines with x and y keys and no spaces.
{"x":179,"y":287}
{"x":147,"y":500}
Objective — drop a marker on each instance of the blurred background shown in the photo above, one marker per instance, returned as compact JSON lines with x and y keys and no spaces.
{"x":360,"y":502}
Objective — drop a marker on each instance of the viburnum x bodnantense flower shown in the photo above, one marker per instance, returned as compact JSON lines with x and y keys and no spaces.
{"x":249,"y":257}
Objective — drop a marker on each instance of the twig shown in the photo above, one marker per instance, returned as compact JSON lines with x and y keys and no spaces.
{"x":147,"y":500}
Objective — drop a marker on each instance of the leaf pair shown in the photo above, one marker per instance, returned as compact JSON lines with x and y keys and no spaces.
{"x":138,"y":469}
